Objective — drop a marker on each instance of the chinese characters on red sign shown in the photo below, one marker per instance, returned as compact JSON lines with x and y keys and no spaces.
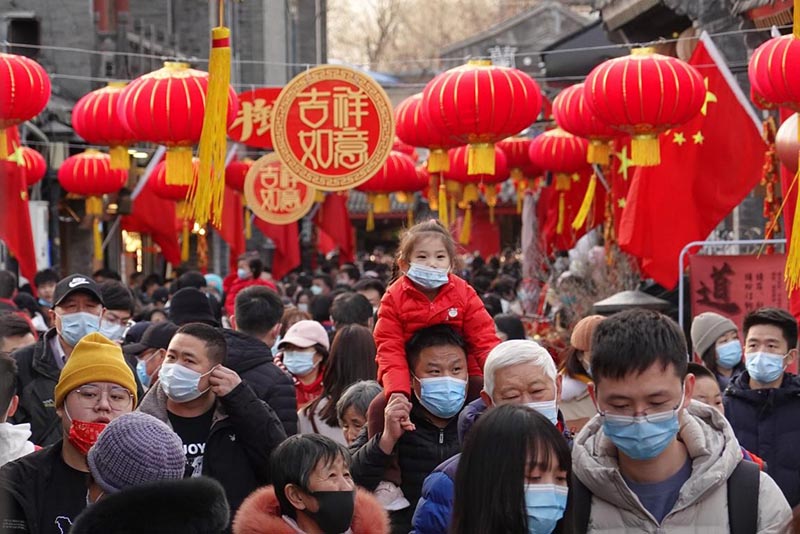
{"x":274,"y":194}
{"x":333,"y":127}
{"x":733,"y":286}
{"x":253,"y":123}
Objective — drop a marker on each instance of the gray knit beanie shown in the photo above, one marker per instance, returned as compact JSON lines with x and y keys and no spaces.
{"x":707,"y":328}
{"x":135,"y":449}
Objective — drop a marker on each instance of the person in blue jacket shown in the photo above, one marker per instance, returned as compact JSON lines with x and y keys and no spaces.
{"x":516,"y":372}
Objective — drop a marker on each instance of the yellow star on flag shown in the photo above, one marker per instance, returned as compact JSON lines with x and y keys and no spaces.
{"x":710,"y":98}
{"x":678,"y":138}
{"x":698,"y":138}
{"x":23,"y":195}
{"x":621,"y":203}
{"x":624,"y":162}
{"x":576,"y":177}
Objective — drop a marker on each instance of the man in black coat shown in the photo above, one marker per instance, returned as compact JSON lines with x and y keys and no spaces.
{"x":256,"y":322}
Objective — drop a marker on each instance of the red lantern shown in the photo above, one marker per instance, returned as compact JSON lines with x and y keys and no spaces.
{"x":90,"y":174}
{"x":412,"y":128}
{"x":459,"y":172}
{"x":167,"y":107}
{"x":177,"y":193}
{"x":573,"y":115}
{"x":96,"y":118}
{"x":236,"y":172}
{"x":643,"y":95}
{"x":774,"y":72}
{"x":408,"y":150}
{"x":522,"y":171}
{"x":24,"y":92}
{"x":480,"y":104}
{"x":398,"y":174}
{"x":35,"y":165}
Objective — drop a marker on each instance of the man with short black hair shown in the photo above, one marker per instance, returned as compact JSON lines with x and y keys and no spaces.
{"x":348,"y":275}
{"x":373,"y":289}
{"x":119,"y":305}
{"x":653,"y":460}
{"x":256,"y":324}
{"x":8,"y":288}
{"x":321,"y":284}
{"x":15,"y":332}
{"x":351,"y":308}
{"x":762,"y":402}
{"x":227,"y":432}
{"x":103,"y":275}
{"x":45,"y":282}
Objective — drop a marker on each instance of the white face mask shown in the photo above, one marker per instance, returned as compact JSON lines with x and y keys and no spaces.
{"x":181,"y":383}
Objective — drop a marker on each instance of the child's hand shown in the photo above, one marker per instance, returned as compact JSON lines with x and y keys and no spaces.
{"x":396,"y":420}
{"x":406,"y":424}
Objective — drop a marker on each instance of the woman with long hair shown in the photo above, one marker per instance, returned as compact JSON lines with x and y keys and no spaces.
{"x":351,"y":359}
{"x":517,"y":456}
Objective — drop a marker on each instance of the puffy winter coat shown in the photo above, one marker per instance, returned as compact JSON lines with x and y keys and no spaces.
{"x":261,"y":514}
{"x":767,"y":422}
{"x":703,"y":500}
{"x":252,"y":361}
{"x":232,"y":285}
{"x":405,"y":309}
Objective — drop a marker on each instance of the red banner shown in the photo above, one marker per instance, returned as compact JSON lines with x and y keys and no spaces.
{"x":733,"y":286}
{"x":253,"y":123}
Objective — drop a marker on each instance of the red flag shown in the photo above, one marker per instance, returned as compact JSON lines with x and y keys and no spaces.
{"x":333,"y":226}
{"x":708,"y":166}
{"x":15,"y":222}
{"x":231,"y":227}
{"x":154,"y":215}
{"x":287,"y":246}
{"x":484,"y":234}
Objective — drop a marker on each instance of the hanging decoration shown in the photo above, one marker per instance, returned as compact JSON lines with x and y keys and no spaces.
{"x":405,"y":148}
{"x":771,"y":182}
{"x":177,"y":193}
{"x":274,"y":194}
{"x":96,"y":119}
{"x":479,"y":104}
{"x":573,"y":115}
{"x":416,"y":130}
{"x":333,"y":127}
{"x":643,"y":95}
{"x":235,"y":175}
{"x":33,"y":162}
{"x":89,"y":174}
{"x":24,"y":93}
{"x":253,"y":123}
{"x":523,"y":172}
{"x":397,"y":175}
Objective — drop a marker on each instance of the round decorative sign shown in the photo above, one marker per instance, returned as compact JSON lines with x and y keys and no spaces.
{"x":253,"y":123}
{"x":275,"y":194}
{"x":333,"y":127}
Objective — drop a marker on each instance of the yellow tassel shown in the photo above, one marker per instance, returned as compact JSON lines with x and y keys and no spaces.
{"x":491,"y":200}
{"x":370,"y":218}
{"x":119,"y":157}
{"x":471,"y":193}
{"x":480,"y":158}
{"x":4,"y":144}
{"x":319,"y":196}
{"x":94,"y":206}
{"x":443,"y":218}
{"x":599,"y":152}
{"x":466,"y":228}
{"x":410,"y":217}
{"x":645,"y":151}
{"x":561,"y":214}
{"x":202,"y":252}
{"x":179,"y":165}
{"x":382,"y":203}
{"x":563,"y":182}
{"x":402,"y":197}
{"x":796,"y":19}
{"x":185,"y":241}
{"x":438,"y":161}
{"x":206,"y":195}
{"x":248,"y":225}
{"x":588,"y":201}
{"x":98,"y":240}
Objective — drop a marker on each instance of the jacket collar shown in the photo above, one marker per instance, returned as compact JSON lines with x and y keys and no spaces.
{"x":155,"y":403}
{"x":43,"y":362}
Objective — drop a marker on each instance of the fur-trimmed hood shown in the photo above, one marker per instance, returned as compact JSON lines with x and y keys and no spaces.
{"x":260,"y":514}
{"x":188,"y":506}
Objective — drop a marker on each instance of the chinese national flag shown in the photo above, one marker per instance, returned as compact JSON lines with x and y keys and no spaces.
{"x":334,"y":228}
{"x":155,"y":216}
{"x":287,"y":246}
{"x":708,"y":166}
{"x":231,"y":228}
{"x":15,"y":219}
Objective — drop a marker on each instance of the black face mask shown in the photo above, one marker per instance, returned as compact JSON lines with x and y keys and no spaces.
{"x":335,"y":510}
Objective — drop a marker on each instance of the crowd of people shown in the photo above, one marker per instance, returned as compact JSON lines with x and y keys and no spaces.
{"x":399,"y":394}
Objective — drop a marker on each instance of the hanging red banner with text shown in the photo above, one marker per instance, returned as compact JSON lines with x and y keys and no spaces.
{"x":253,"y":123}
{"x":274,"y":194}
{"x":333,"y":127}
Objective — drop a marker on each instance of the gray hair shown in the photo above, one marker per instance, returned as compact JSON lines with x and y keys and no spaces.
{"x":358,"y":395}
{"x":514,"y":352}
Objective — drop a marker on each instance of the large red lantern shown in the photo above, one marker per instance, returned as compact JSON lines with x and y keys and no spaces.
{"x":167,"y":107}
{"x":774,"y":73}
{"x":90,"y":174}
{"x":34,"y":163}
{"x":479,"y":104}
{"x":643,"y":95}
{"x":572,"y":114}
{"x":24,"y":92}
{"x":96,"y":118}
{"x":459,"y":172}
{"x":412,"y":128}
{"x":397,"y":174}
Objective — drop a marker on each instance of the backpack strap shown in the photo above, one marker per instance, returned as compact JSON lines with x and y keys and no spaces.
{"x":579,"y":508}
{"x":743,"y":488}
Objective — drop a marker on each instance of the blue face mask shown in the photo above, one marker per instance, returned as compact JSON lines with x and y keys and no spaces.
{"x":729,"y":354}
{"x":427,"y":277}
{"x":112,"y":331}
{"x":299,"y":363}
{"x":180,"y":383}
{"x":74,"y":326}
{"x":545,"y":505}
{"x":548,"y":409}
{"x":642,"y":437}
{"x":44,"y":303}
{"x":443,"y":396}
{"x":141,"y":372}
{"x":316,"y":290}
{"x":764,"y":367}
{"x":242,"y":274}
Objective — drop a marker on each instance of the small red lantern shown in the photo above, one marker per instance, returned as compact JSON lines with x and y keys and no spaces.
{"x":643,"y":95}
{"x":480,"y":104}
{"x":774,"y":73}
{"x":408,"y":150}
{"x":522,"y":171}
{"x":573,"y":115}
{"x":178,"y":193}
{"x":167,"y":107}
{"x":34,"y":163}
{"x":398,"y":174}
{"x":236,"y":172}
{"x":24,"y":92}
{"x":412,"y":128}
{"x":90,"y":174}
{"x":96,"y":118}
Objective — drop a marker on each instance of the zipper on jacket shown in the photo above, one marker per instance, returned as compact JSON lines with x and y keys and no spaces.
{"x":441,"y":436}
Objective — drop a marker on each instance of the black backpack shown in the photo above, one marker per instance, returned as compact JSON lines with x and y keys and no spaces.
{"x":743,"y":487}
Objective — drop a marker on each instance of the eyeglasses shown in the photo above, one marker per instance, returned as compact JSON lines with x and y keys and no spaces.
{"x":113,"y":319}
{"x":627,"y":416}
{"x":119,"y":398}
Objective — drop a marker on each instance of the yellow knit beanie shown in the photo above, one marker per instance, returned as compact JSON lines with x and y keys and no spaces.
{"x":95,"y":359}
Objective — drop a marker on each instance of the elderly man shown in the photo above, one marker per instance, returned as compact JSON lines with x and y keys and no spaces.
{"x":516,"y":372}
